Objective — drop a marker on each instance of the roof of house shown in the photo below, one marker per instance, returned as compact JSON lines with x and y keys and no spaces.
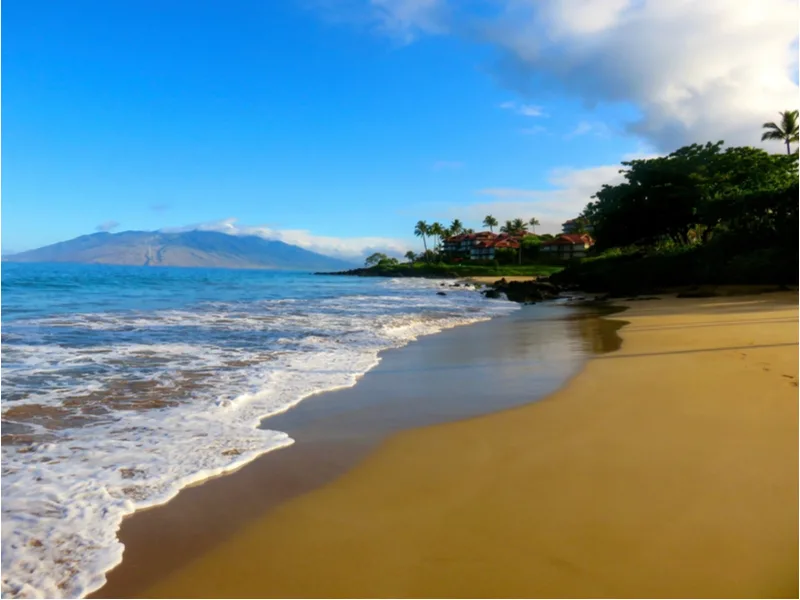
{"x":471,"y":236}
{"x":570,"y":239}
{"x":498,"y":243}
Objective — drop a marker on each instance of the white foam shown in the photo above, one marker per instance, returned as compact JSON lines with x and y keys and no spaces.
{"x":63,"y":501}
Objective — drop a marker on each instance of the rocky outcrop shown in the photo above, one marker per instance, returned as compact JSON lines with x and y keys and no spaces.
{"x":523,"y":291}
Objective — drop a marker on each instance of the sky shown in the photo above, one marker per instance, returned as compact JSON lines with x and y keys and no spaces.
{"x":337,"y":124}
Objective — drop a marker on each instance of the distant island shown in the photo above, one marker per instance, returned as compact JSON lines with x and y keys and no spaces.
{"x":185,"y":249}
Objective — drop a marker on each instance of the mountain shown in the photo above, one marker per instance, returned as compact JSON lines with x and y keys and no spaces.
{"x":186,"y":249}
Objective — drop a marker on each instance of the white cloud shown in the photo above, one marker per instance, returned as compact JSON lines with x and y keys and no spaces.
{"x":107,"y":226}
{"x":406,"y":19}
{"x":596,"y":128}
{"x":347,"y":248}
{"x":526,"y":110}
{"x":696,"y":70}
{"x":571,"y":191}
{"x":440,"y":165}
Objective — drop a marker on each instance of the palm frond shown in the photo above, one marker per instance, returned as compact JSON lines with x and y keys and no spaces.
{"x":772,"y":135}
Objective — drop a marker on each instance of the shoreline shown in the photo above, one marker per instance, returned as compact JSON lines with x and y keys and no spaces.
{"x":687,"y":488}
{"x":335,"y":430}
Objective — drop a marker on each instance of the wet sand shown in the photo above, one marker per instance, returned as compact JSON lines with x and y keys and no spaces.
{"x":449,"y":376}
{"x":666,"y":469}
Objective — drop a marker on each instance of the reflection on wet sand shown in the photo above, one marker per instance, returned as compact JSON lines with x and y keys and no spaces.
{"x":457,"y":374}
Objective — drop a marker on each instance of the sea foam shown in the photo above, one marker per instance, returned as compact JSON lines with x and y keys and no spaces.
{"x":149,"y":402}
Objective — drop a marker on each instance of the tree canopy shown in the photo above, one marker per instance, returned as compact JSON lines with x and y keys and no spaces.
{"x":686,"y":196}
{"x":787,"y":131}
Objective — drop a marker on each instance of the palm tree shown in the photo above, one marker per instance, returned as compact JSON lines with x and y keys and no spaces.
{"x":507,"y":227}
{"x":534,"y":222}
{"x":469,"y":231}
{"x":786,"y":132}
{"x":421,"y":229}
{"x":410,"y":256}
{"x":456,"y":227}
{"x":436,"y":230}
{"x":490,"y":222}
{"x":519,"y":227}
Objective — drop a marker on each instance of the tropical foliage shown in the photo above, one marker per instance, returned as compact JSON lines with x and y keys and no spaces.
{"x":786,"y":131}
{"x":702,"y":214}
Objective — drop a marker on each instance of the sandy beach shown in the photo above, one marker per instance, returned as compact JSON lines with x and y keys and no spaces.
{"x":668,"y":468}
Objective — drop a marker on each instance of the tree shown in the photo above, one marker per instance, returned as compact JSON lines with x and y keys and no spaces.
{"x":456,"y":227}
{"x":530,"y":244}
{"x":685,"y":196}
{"x":421,"y":229}
{"x":519,"y":227}
{"x":410,"y":256}
{"x":534,"y":223}
{"x":374,"y":259}
{"x":507,"y":227}
{"x":490,"y":222}
{"x":786,"y":132}
{"x":436,"y":230}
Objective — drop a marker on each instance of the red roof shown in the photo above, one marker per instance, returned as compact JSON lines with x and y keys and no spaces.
{"x":575,"y":239}
{"x":507,"y":244}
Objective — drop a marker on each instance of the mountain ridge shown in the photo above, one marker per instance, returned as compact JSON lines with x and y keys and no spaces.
{"x":183,"y":249}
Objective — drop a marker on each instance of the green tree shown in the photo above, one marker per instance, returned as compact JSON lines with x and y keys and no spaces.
{"x":456,"y":227}
{"x":530,"y":246}
{"x":410,"y":256}
{"x":436,"y":231}
{"x":534,"y":223}
{"x":689,"y":192}
{"x":519,"y":226}
{"x":421,"y":229}
{"x":490,"y":222}
{"x":786,"y":132}
{"x":376,"y":258}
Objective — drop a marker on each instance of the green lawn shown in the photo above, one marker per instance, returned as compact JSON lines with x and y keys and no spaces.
{"x":457,"y":270}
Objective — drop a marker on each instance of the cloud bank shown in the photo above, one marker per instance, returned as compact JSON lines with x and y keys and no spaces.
{"x":107,"y":226}
{"x":352,"y":248}
{"x":696,"y":70}
{"x":571,"y":190}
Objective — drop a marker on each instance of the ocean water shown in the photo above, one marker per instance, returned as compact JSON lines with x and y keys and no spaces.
{"x":121,"y":385}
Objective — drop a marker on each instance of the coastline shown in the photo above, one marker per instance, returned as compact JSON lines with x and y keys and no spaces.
{"x":667,"y":468}
{"x":439,"y":378}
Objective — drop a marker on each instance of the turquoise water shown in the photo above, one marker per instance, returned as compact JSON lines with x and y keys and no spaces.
{"x":121,"y":385}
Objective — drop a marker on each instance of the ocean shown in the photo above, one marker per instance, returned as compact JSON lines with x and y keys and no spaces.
{"x":122,"y":385}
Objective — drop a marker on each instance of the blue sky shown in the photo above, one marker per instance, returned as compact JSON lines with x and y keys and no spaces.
{"x":334,"y":125}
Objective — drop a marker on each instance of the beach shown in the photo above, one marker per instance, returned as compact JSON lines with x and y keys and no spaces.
{"x":667,"y":468}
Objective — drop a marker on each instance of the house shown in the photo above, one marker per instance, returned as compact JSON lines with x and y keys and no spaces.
{"x":568,"y":245}
{"x":464,"y":243}
{"x":478,"y":246}
{"x":485,"y":250}
{"x":576,"y":225}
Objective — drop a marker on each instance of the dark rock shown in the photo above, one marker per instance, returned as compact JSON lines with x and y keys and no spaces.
{"x":491,"y":293}
{"x":527,"y":291}
{"x":441,"y":293}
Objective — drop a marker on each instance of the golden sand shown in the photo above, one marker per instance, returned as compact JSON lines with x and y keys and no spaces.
{"x":666,"y":469}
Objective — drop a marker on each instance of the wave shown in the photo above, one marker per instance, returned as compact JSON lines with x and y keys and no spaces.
{"x":110,"y":413}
